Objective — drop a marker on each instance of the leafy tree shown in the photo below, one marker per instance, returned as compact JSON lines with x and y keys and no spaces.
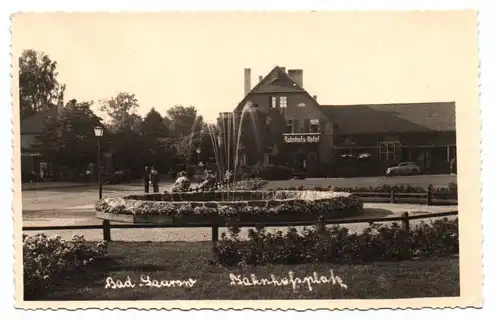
{"x":159,"y":149}
{"x":122,"y":111}
{"x":126,"y":143}
{"x":69,"y":139}
{"x":183,"y":121}
{"x":153,"y":125}
{"x":38,"y":85}
{"x":185,"y":126}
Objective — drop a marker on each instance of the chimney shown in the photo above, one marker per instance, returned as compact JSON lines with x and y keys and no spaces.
{"x":296,"y":75}
{"x":248,"y":80}
{"x":315,"y":98}
{"x":260,"y":78}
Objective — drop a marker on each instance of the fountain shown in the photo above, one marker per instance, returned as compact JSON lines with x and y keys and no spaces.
{"x":218,"y":207}
{"x":249,"y":207}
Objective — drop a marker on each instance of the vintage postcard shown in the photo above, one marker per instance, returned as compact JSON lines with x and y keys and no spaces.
{"x":307,"y":160}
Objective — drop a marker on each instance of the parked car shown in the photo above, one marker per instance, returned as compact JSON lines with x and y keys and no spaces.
{"x":404,"y":168}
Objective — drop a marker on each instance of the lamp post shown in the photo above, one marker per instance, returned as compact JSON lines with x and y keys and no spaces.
{"x":98,"y":130}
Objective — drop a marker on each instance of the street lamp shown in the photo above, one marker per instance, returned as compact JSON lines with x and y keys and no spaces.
{"x":99,"y":131}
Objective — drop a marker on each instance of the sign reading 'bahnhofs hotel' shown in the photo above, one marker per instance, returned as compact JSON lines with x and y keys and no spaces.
{"x":302,"y":139}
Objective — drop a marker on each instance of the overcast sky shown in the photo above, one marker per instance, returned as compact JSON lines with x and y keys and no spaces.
{"x":198,"y":58}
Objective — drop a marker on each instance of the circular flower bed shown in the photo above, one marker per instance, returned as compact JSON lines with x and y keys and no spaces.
{"x":223,"y":206}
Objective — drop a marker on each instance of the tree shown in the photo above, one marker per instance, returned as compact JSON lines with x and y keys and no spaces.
{"x":126,"y":142}
{"x":158,"y":144}
{"x":185,"y":126}
{"x":69,"y":140}
{"x":122,"y":111}
{"x":38,"y":85}
{"x":153,"y":125}
{"x":183,"y":121}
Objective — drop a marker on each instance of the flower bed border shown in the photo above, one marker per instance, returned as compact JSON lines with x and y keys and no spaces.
{"x":221,"y":221}
{"x":262,"y":206}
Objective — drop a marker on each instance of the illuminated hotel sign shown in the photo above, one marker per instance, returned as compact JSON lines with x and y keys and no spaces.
{"x":302,"y":138}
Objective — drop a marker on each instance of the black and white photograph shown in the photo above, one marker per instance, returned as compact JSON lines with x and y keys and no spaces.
{"x":311,"y":158}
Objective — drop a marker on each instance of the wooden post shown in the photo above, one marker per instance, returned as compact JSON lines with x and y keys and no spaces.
{"x":405,"y":222}
{"x":215,"y":229}
{"x":106,"y":230}
{"x":429,"y":195}
{"x":393,"y":198}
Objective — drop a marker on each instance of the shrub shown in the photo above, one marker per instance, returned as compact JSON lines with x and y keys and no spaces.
{"x":269,"y":172}
{"x":335,"y":244}
{"x":47,"y":259}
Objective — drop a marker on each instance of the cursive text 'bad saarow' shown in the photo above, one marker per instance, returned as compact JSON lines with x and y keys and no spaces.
{"x":147,"y":281}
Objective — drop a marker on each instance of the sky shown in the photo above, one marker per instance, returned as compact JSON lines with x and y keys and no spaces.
{"x":197,"y":59}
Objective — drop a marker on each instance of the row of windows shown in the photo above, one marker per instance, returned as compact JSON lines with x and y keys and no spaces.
{"x":306,"y":126}
{"x":283,"y":102}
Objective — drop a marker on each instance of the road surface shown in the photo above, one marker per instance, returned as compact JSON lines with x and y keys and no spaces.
{"x":75,"y":206}
{"x":84,"y":197}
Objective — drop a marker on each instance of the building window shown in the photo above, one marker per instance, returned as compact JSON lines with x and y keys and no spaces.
{"x":387,"y":151}
{"x":267,"y":159}
{"x":304,"y":126}
{"x":301,"y":105}
{"x":314,"y":126}
{"x":289,"y":127}
{"x":273,"y":102}
{"x":283,"y":102}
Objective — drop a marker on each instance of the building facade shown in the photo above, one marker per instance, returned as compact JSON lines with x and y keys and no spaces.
{"x":279,"y":122}
{"x":33,"y":165}
{"x":423,"y":133}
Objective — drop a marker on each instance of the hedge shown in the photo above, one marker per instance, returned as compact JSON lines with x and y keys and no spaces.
{"x":335,"y":244}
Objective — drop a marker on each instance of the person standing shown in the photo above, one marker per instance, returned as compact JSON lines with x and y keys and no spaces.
{"x":146,"y":179}
{"x":154,"y":180}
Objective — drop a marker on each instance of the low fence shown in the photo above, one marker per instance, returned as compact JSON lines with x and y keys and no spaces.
{"x":429,"y":198}
{"x":106,"y":226}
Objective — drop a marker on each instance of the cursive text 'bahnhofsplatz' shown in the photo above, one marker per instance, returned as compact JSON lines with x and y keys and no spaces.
{"x":291,"y":280}
{"x":146,"y":281}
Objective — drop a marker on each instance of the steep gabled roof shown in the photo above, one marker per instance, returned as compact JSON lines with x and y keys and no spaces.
{"x":395,"y":117}
{"x":276,"y":81}
{"x":36,"y":123}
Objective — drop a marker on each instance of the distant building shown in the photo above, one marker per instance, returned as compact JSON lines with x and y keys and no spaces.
{"x":32,"y":160}
{"x":320,"y":139}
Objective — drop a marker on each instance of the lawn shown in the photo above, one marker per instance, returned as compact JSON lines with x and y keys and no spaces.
{"x":199,"y":279}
